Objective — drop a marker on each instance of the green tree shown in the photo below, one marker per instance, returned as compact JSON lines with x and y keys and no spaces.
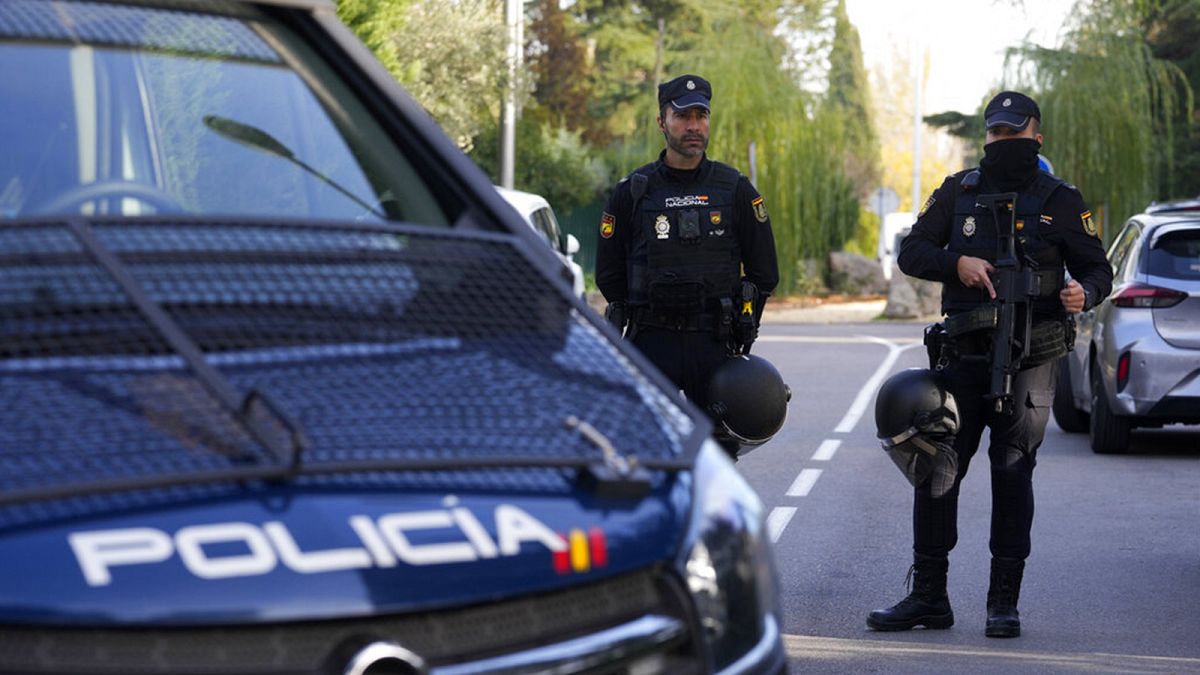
{"x":1111,"y":108}
{"x":561,"y":67}
{"x":1173,"y":33}
{"x":551,"y":161}
{"x":849,"y":97}
{"x":450,"y":56}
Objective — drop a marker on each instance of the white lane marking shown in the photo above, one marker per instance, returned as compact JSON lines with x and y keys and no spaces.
{"x":834,"y":339}
{"x":804,"y":483}
{"x":825,"y":452}
{"x":778,"y":520}
{"x":868,"y":390}
{"x":780,"y":516}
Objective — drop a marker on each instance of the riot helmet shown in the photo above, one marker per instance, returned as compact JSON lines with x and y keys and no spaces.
{"x":748,"y":400}
{"x":916,"y":419}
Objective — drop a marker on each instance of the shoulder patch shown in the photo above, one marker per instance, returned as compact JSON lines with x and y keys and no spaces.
{"x":1089,"y":225}
{"x":970,"y":180}
{"x":608,"y":225}
{"x":928,"y":203}
{"x":760,"y":210}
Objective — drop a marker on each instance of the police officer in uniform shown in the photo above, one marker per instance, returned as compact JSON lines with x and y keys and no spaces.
{"x":685,"y":255}
{"x":954,"y":241}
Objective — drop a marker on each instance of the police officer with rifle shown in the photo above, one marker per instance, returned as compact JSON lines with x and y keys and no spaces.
{"x":686,"y":259}
{"x":998,"y":237}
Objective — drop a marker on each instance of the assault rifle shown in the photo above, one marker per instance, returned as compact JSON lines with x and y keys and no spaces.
{"x":1016,"y":287}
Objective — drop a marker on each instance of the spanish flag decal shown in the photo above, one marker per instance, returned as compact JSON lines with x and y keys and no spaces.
{"x":760,"y":210}
{"x":584,"y":552}
{"x":1089,"y":225}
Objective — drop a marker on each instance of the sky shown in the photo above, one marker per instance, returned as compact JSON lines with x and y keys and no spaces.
{"x":966,"y":40}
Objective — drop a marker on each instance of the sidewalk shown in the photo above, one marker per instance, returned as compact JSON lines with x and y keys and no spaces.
{"x":810,"y":310}
{"x":816,"y":310}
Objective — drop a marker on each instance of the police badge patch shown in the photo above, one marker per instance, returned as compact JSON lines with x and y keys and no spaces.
{"x":714,"y":217}
{"x":662,"y":226}
{"x":928,"y":203}
{"x":968,"y":229}
{"x":608,"y":225}
{"x":760,"y":210}
{"x":1089,"y":225}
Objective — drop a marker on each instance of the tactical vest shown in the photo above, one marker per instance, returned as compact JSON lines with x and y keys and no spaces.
{"x":974,"y":233}
{"x":686,"y":258}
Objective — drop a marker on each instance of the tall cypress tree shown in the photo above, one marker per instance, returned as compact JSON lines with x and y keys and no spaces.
{"x":849,"y":98}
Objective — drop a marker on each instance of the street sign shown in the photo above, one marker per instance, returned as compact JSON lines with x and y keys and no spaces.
{"x":883,"y":201}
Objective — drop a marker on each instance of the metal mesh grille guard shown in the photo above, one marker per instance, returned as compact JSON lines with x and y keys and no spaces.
{"x":149,"y":28}
{"x":441,"y":637}
{"x":335,"y":347}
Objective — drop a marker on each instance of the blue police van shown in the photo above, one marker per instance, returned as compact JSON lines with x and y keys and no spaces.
{"x":286,"y":387}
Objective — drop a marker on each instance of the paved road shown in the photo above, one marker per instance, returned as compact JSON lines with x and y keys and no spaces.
{"x":1113,"y":584}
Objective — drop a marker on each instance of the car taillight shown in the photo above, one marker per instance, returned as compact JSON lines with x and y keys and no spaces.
{"x":1123,"y":371}
{"x":1141,"y":295}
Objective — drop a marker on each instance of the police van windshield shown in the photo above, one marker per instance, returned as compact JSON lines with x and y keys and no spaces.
{"x":131,"y":111}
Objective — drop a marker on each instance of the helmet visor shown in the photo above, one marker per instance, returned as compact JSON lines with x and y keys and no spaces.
{"x":925,"y":459}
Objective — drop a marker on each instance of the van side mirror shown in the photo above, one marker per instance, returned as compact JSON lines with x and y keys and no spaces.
{"x":572,"y":244}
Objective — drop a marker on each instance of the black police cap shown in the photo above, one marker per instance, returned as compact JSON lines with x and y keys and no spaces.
{"x":1011,"y":109}
{"x":685,"y":91}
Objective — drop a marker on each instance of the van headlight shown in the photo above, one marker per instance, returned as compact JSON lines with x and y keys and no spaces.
{"x":726,"y":560}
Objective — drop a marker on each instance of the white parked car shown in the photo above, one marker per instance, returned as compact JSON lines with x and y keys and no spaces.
{"x":892,"y":229}
{"x":537,"y":212}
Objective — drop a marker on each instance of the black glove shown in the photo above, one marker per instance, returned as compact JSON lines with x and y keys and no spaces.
{"x":617,"y":314}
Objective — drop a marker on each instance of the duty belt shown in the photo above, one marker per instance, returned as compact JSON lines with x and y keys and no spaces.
{"x":971,"y":336}
{"x":679,"y":322}
{"x":986,"y":316}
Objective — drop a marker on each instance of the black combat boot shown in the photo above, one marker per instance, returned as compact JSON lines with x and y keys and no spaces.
{"x":926,"y":605}
{"x":1003,"y":620}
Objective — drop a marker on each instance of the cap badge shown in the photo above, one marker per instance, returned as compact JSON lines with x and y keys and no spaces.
{"x":691,"y":85}
{"x":662,"y":227}
{"x":969,"y":227}
{"x":1007,"y":102}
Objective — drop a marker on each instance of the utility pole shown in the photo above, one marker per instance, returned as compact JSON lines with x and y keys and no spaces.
{"x":752,"y":150}
{"x":918,"y":71}
{"x":658,"y":54}
{"x":514,"y":12}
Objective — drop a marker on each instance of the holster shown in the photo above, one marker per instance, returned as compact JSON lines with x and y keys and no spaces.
{"x":724,"y":327}
{"x":938,"y":346}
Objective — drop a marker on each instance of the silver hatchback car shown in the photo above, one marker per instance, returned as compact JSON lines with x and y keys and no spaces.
{"x":1136,"y":361}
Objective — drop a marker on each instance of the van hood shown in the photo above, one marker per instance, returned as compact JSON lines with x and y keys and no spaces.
{"x":284,"y":557}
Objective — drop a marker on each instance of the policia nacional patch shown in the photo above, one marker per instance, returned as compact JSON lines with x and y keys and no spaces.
{"x":1089,"y":225}
{"x":608,"y":225}
{"x":928,"y":203}
{"x":760,"y":210}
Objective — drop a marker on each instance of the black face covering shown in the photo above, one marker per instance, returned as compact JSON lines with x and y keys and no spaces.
{"x":1011,"y":163}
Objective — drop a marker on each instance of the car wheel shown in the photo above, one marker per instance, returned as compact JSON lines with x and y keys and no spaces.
{"x":1071,"y":419}
{"x":1109,"y":431}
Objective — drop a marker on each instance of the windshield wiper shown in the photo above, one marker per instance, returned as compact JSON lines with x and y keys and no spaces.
{"x":258,"y":139}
